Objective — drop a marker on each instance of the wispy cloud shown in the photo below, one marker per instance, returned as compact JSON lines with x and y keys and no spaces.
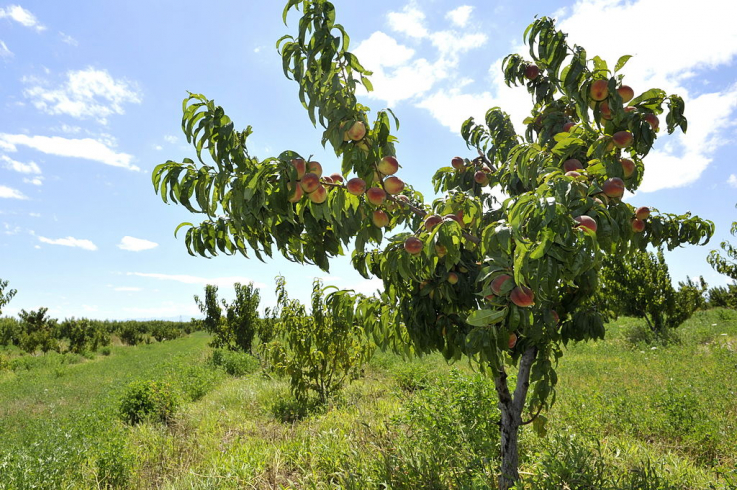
{"x":86,"y":148}
{"x":21,"y":16}
{"x":16,"y":166}
{"x":33,"y":180}
{"x":9,"y":193}
{"x":171,"y":139}
{"x":4,"y":51}
{"x":398,"y":74}
{"x":88,"y":93}
{"x":732,"y":180}
{"x":460,"y":15}
{"x":136,"y":244}
{"x":186,"y":279}
{"x":67,"y":39}
{"x":69,"y":242}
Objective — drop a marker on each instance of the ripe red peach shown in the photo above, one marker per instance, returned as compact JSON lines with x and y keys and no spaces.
{"x":599,"y":90}
{"x":572,"y":164}
{"x":522,"y":296}
{"x":393,"y":185}
{"x":388,"y":165}
{"x":626,"y":92}
{"x":498,"y":283}
{"x":300,"y":166}
{"x":586,"y":222}
{"x":310,"y":182}
{"x":319,"y":195}
{"x":532,"y":72}
{"x":642,"y":213}
{"x":315,"y":168}
{"x":613,"y":187}
{"x":622,"y":139}
{"x":458,"y":163}
{"x":380,"y":218}
{"x":357,"y":131}
{"x":628,"y":167}
{"x":356,"y":186}
{"x":413,"y":245}
{"x":652,"y":120}
{"x":638,"y":226}
{"x":431,"y":221}
{"x":376,"y":196}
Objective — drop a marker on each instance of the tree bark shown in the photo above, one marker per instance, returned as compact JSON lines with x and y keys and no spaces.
{"x":511,"y":408}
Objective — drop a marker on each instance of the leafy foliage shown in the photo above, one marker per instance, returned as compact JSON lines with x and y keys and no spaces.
{"x":727,"y":263}
{"x":319,"y":352}
{"x":148,"y":400}
{"x":5,"y":297}
{"x":236,"y":329}
{"x":640,"y":286}
{"x":37,"y":331}
{"x":83,"y":335}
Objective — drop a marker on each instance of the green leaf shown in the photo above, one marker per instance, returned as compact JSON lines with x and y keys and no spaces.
{"x":482,"y":318}
{"x":621,"y":62}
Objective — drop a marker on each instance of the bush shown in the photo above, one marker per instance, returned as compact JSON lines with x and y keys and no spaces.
{"x":83,"y":335}
{"x":640,"y":286}
{"x":37,"y":331}
{"x":723,"y":297}
{"x":9,"y":331}
{"x":196,"y":381}
{"x":321,"y":352}
{"x":106,"y":351}
{"x":148,"y":400}
{"x":236,"y":329}
{"x":234,"y":363}
{"x":130,"y":334}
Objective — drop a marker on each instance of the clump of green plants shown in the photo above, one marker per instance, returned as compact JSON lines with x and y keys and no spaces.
{"x":319,"y":352}
{"x":148,"y":400}
{"x":236,"y":329}
{"x":234,"y":363}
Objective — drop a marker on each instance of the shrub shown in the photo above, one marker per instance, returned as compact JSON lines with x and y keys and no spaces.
{"x":9,"y":331}
{"x":106,"y":351}
{"x":722,"y":297}
{"x":640,"y":286}
{"x":196,"y":381}
{"x":83,"y":335}
{"x":236,"y":329}
{"x":321,"y":352}
{"x":148,"y":400}
{"x":234,"y":363}
{"x":130,"y":334}
{"x":37,"y":331}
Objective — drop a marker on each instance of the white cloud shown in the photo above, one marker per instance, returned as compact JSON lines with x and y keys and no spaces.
{"x":86,"y":148}
{"x":136,"y":244}
{"x":171,"y":139}
{"x":65,"y":128}
{"x":460,"y":15}
{"x":88,"y":93}
{"x":732,"y":180}
{"x":24,"y":168}
{"x":21,"y":16}
{"x":8,"y":193}
{"x":11,"y":230}
{"x":69,"y":242}
{"x":4,"y":51}
{"x":397,"y":74}
{"x":409,"y":21}
{"x":127,"y":289}
{"x":66,"y":38}
{"x":34,"y":181}
{"x":158,"y":147}
{"x":90,"y":308}
{"x":678,"y":159}
{"x":186,"y":279}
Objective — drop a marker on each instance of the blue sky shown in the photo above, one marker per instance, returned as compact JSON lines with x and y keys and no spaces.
{"x":90,"y":103}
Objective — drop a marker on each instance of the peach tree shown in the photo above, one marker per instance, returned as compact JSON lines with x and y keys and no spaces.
{"x":5,"y":297}
{"x":506,"y":284}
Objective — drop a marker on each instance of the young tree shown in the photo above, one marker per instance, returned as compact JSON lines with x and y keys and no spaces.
{"x":504,"y":284}
{"x":236,"y":329}
{"x":5,"y":297}
{"x":37,"y":331}
{"x":640,"y":286}
{"x":320,"y":351}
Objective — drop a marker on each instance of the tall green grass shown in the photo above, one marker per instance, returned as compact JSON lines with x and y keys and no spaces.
{"x":629,"y":415}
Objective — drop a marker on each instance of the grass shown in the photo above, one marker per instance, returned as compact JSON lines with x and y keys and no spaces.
{"x":628,"y":415}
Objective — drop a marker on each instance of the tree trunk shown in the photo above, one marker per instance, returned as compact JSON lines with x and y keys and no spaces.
{"x":511,"y":408}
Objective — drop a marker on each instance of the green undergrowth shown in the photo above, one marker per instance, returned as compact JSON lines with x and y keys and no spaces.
{"x":632,"y":412}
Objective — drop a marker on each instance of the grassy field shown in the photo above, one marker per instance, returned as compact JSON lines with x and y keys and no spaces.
{"x":628,"y":416}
